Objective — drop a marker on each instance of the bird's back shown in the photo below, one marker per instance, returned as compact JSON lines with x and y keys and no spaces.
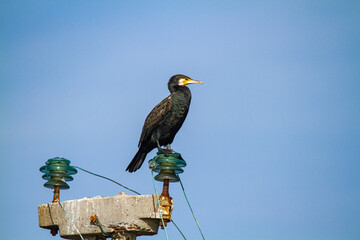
{"x":155,"y":118}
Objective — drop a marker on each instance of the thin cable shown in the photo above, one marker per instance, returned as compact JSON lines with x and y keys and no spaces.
{"x":157,"y":196}
{"x":197,"y":223}
{"x":107,"y":179}
{"x":102,"y":230}
{"x":68,"y":218}
{"x":178,"y":229}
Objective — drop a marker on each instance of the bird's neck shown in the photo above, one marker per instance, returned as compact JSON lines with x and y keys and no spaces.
{"x":180,"y":89}
{"x":181,"y":95}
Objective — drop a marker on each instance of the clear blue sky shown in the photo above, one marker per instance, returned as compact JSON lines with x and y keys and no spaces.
{"x":272,"y":139}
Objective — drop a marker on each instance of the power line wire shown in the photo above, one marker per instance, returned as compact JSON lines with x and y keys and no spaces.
{"x":98,"y":175}
{"x":197,"y":223}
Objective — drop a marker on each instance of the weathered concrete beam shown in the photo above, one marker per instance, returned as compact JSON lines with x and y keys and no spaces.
{"x":121,"y":217}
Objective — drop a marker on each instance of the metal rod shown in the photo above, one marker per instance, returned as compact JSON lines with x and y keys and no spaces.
{"x":165,"y":191}
{"x":56,"y":194}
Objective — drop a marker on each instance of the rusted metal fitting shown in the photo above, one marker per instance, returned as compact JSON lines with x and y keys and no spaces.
{"x":94,"y":219}
{"x":166,"y":204}
{"x":166,"y":207}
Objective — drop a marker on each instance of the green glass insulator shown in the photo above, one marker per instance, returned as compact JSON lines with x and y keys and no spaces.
{"x":168,"y":166}
{"x":57,"y":171}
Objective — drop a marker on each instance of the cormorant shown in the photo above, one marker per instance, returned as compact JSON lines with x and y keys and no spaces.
{"x":164,"y":121}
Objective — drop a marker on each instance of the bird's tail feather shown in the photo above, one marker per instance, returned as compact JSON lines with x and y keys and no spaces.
{"x":137,"y":161}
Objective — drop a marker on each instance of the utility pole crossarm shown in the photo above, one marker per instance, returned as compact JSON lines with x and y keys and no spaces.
{"x":120,"y":217}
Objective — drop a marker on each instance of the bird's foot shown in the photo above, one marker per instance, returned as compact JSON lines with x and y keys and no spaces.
{"x":166,"y":151}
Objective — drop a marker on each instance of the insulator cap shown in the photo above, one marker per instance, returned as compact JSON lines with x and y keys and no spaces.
{"x":168,"y":166}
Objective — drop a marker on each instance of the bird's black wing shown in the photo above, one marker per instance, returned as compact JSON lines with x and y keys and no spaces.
{"x":155,"y":116}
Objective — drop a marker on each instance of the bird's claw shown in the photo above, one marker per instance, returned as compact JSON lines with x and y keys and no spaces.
{"x":166,"y":151}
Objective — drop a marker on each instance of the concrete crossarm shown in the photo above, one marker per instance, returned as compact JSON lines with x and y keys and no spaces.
{"x":124,"y":214}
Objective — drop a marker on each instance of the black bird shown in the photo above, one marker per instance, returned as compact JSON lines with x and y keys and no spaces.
{"x":164,"y":121}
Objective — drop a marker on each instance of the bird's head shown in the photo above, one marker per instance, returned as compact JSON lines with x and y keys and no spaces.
{"x":180,"y":80}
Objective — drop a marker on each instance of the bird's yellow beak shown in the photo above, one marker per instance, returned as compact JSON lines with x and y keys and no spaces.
{"x":190,"y":81}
